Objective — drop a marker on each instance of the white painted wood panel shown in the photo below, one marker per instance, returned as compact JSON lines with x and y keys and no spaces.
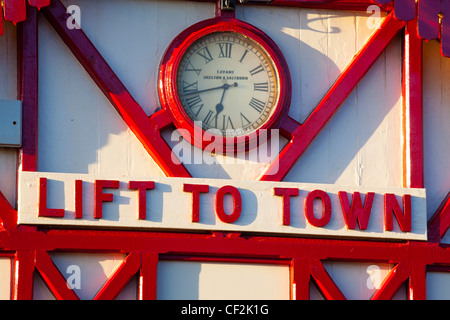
{"x":5,"y":278}
{"x":182,"y":280}
{"x":438,"y":286}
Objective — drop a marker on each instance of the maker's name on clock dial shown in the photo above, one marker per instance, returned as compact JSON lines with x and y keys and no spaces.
{"x":227,"y":82}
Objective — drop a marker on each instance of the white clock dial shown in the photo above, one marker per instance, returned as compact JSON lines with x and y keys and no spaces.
{"x":227,"y":82}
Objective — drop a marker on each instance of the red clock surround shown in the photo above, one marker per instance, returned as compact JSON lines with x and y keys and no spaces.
{"x":168,"y":85}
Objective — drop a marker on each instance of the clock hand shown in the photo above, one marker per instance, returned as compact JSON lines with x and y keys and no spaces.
{"x":219,"y":106}
{"x":225,"y":86}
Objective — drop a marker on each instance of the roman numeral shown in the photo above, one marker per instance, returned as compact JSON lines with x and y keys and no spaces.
{"x":210,"y":117}
{"x":194,"y":102}
{"x":225,"y":50}
{"x":243,"y":56}
{"x":189,"y":88}
{"x":244,"y":120}
{"x":261,"y":86}
{"x":229,"y":123}
{"x":256,"y":70}
{"x":190,"y":67}
{"x":204,"y":52}
{"x":256,"y":104}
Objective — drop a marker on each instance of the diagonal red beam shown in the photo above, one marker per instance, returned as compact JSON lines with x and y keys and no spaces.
{"x":305,"y":133}
{"x":439,"y":223}
{"x":324,"y":282}
{"x":121,"y":276}
{"x":396,"y":277}
{"x":8,"y":216}
{"x":145,"y":129}
{"x":53,"y":278}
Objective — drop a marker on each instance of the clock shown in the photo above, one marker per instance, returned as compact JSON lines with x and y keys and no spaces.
{"x":225,"y":82}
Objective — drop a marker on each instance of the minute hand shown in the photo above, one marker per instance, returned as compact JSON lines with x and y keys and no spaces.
{"x":224,"y":86}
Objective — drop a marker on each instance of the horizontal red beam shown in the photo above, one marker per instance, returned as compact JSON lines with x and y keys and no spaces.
{"x":204,"y":244}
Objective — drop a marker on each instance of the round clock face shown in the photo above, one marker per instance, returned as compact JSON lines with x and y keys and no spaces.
{"x":226,"y":81}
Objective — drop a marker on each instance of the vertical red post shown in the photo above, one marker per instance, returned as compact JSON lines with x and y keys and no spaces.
{"x":300,"y":279}
{"x":22,"y":288}
{"x":28,"y":89}
{"x":418,"y":282}
{"x":147,"y":276}
{"x":412,"y":109}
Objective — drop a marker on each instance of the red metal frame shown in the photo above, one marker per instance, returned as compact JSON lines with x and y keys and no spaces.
{"x":29,"y":246}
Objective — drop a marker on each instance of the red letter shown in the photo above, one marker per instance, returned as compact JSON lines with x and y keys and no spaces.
{"x":43,"y":210}
{"x":309,"y":208}
{"x":286,"y":193}
{"x":391,"y":206}
{"x":356,"y":211}
{"x":78,"y":199}
{"x":100,"y":197}
{"x":142,"y":187}
{"x":237,"y":204}
{"x":195,"y":189}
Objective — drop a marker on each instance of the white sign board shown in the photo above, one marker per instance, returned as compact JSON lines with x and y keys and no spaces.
{"x":294,"y":209}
